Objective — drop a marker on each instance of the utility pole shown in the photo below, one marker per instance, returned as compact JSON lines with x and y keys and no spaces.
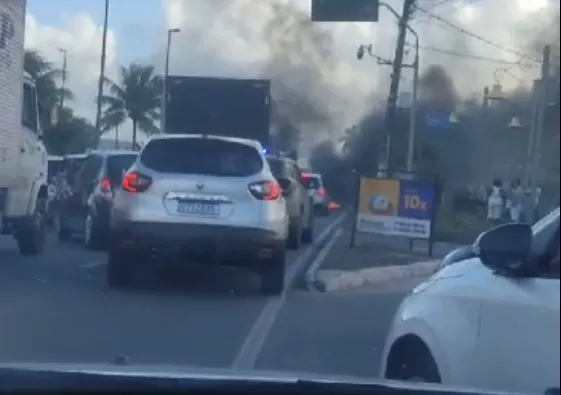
{"x":394,"y":86}
{"x":102,"y":71}
{"x":164,"y":101}
{"x":61,"y":104}
{"x":539,"y":106}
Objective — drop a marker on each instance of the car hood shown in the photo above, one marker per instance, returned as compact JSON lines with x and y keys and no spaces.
{"x":218,"y":374}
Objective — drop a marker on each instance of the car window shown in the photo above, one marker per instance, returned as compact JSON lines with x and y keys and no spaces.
{"x":117,"y":165}
{"x":276,"y":166}
{"x":297,"y":174}
{"x":211,"y":157}
{"x":311,"y":182}
{"x":90,"y":169}
{"x":54,"y":167}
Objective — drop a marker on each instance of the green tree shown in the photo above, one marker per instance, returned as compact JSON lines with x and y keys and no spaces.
{"x":136,"y":96}
{"x":45,"y":76}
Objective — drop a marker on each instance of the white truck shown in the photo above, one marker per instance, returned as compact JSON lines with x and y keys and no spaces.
{"x":23,"y":157}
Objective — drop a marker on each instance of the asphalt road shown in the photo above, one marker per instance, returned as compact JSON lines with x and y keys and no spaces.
{"x":57,"y":308}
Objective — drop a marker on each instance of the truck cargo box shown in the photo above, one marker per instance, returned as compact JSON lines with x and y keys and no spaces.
{"x":219,"y":106}
{"x":12,"y":28}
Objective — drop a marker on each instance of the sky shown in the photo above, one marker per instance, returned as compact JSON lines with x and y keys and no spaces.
{"x":314,"y":67}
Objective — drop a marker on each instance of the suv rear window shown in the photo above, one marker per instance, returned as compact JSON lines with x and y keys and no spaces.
{"x":211,"y":157}
{"x":117,"y":165}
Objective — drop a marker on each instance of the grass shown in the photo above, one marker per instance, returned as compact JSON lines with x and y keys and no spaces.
{"x":460,"y":227}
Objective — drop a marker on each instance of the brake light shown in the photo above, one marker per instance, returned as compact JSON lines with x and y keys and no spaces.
{"x":105,"y":189}
{"x":105,"y":185}
{"x":265,"y":190}
{"x":322,"y":192}
{"x":135,"y":182}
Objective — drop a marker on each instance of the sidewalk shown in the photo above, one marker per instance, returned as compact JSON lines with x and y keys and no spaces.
{"x":373,"y":260}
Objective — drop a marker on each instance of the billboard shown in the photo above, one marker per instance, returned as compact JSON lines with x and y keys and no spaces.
{"x":345,"y":10}
{"x":396,"y":207}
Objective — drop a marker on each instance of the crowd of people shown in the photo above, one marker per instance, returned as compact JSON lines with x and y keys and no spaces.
{"x":512,"y":202}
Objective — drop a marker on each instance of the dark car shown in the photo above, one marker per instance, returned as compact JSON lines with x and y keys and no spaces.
{"x":86,"y":211}
{"x":299,"y":204}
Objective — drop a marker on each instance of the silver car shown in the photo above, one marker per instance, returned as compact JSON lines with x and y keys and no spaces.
{"x":317,"y":191}
{"x":200,"y":199}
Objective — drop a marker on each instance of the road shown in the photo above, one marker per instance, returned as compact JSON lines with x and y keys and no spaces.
{"x":57,"y":308}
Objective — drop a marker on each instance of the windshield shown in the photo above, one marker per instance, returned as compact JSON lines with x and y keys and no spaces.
{"x":273,"y":184}
{"x":117,"y":165}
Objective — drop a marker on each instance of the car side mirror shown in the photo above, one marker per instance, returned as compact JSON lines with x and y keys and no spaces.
{"x":505,"y":248}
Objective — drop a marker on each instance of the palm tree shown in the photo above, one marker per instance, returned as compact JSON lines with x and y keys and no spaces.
{"x":137,"y":96}
{"x":45,"y":76}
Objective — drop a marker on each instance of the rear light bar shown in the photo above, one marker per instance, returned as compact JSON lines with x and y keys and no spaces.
{"x":265,"y":190}
{"x":135,"y":182}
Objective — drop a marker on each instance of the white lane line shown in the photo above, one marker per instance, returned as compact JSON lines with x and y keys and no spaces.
{"x":247,"y":356}
{"x":320,"y":258}
{"x":93,"y":263}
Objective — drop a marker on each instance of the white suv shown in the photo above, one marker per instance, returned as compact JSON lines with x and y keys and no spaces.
{"x":199,"y":198}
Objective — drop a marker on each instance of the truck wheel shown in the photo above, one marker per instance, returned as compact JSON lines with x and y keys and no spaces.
{"x":31,"y":240}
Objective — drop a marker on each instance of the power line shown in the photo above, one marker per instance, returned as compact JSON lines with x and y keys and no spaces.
{"x":475,"y":36}
{"x":469,"y":56}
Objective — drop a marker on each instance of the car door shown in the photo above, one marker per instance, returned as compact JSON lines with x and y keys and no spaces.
{"x":86,"y":180}
{"x":518,"y":344}
{"x":302,"y":192}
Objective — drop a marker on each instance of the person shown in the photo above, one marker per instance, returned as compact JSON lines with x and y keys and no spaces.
{"x":516,"y":201}
{"x":495,"y":201}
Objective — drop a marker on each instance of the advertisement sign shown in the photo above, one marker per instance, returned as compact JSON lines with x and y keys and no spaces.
{"x":396,"y":207}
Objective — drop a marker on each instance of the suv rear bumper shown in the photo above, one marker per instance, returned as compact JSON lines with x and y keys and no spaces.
{"x":208,"y":244}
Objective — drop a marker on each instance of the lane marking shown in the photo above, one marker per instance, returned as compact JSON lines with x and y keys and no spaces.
{"x":93,"y":264}
{"x":249,"y":352}
{"x":320,"y":258}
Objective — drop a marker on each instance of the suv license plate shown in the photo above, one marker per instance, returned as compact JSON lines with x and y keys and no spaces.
{"x":198,"y":208}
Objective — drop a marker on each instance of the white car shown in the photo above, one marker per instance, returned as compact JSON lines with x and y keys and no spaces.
{"x":199,"y":199}
{"x":490,"y":321}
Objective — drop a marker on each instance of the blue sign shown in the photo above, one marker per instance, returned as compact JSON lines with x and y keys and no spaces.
{"x":416,"y":200}
{"x":438,"y":119}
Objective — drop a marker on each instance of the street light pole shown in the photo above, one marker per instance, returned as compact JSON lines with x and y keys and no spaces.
{"x":64,"y":52}
{"x":165,"y":82}
{"x":102,"y":71}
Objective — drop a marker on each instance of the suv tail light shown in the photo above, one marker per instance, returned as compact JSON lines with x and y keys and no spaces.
{"x":322,"y":192}
{"x":265,"y":190}
{"x":136,"y":182}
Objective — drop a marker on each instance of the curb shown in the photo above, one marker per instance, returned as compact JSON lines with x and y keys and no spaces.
{"x":309,"y":257}
{"x":335,"y":280}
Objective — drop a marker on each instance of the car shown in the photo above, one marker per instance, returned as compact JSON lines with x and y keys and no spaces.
{"x":489,"y":321}
{"x":317,"y":191}
{"x":86,"y":211}
{"x":298,"y":201}
{"x":199,"y":199}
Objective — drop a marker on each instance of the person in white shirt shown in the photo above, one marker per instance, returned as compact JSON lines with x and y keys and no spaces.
{"x":495,"y":201}
{"x":517,"y":197}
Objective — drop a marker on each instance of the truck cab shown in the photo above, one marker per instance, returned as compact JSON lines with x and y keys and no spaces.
{"x":24,"y":202}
